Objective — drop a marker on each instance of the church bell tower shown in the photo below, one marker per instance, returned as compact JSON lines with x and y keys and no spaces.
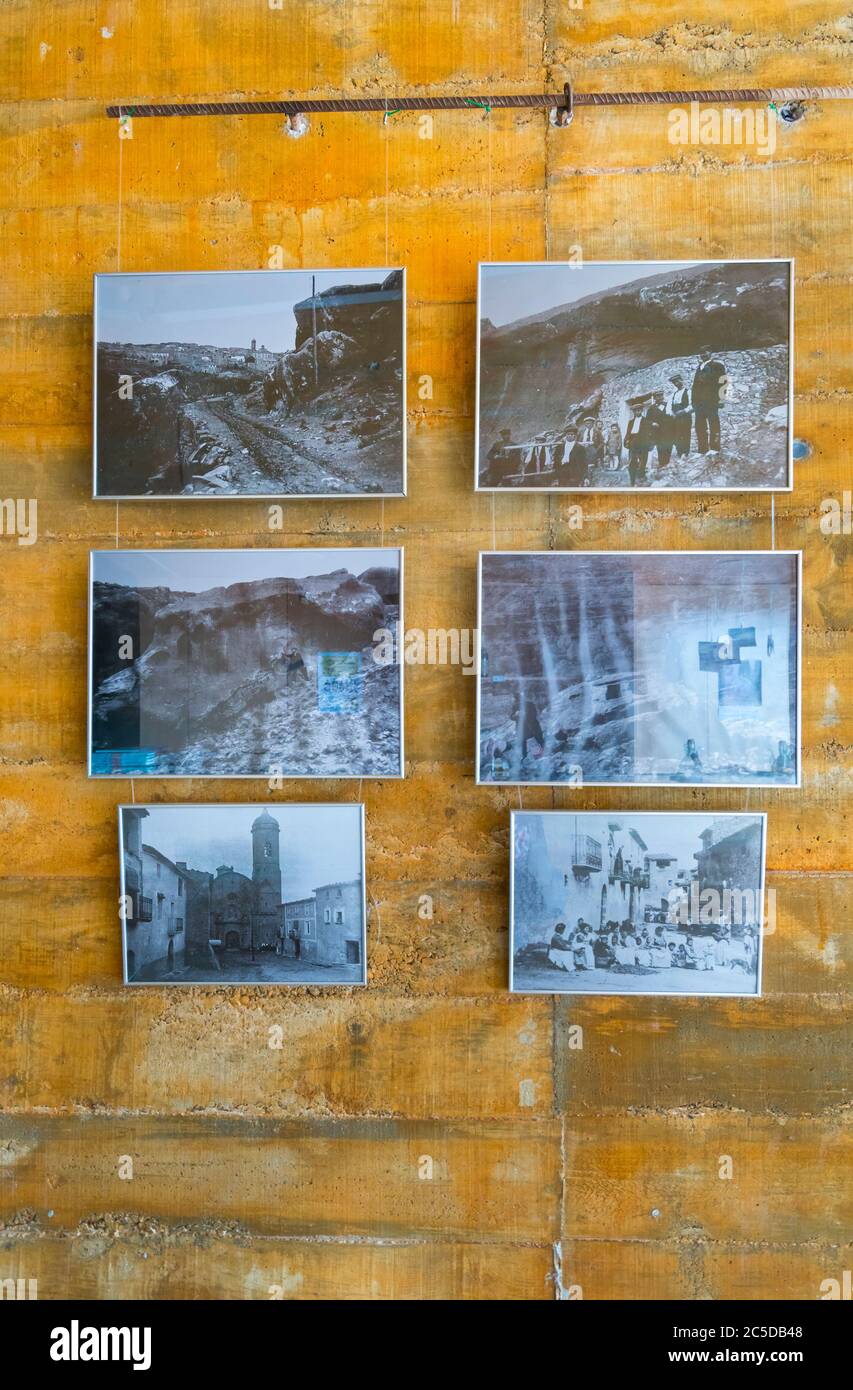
{"x":266,"y":874}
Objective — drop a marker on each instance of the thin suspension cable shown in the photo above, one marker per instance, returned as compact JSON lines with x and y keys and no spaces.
{"x":462,"y":103}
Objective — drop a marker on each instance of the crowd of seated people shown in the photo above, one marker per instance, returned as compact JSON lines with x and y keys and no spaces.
{"x":630,"y":949}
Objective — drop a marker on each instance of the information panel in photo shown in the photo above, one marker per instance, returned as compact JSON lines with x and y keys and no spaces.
{"x":634,"y":902}
{"x":250,"y":383}
{"x":639,"y":668}
{"x":246,"y":663}
{"x":227,"y":895}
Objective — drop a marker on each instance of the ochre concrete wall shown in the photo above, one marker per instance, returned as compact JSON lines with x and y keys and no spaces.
{"x":244,"y":1156}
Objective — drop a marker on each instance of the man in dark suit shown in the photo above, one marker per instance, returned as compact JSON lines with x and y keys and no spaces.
{"x":659,"y":429}
{"x":707,"y":397}
{"x":571,"y":464}
{"x":637,"y":442}
{"x":499,"y":462}
{"x":591,"y":440}
{"x":678,"y":408}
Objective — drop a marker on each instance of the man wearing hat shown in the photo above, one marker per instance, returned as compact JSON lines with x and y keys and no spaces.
{"x":707,"y":397}
{"x":659,"y":426}
{"x":499,"y":460}
{"x":679,"y":414}
{"x":637,"y":442}
{"x":591,"y":439}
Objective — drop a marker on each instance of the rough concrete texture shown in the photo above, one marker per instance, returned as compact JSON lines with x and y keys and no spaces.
{"x":429,"y":1137}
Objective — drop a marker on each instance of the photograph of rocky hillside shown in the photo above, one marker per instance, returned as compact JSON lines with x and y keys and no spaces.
{"x":627,"y":375}
{"x":262,"y":663}
{"x":250,"y":383}
{"x":639,"y":668}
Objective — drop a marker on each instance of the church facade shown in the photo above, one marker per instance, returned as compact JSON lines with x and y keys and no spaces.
{"x":177,"y":913}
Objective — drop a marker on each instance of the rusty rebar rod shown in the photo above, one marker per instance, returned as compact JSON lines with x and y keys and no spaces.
{"x":546,"y":100}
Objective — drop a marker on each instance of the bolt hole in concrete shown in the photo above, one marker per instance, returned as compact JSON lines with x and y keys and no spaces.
{"x":296,"y":126}
{"x":792,"y":111}
{"x":559,"y":116}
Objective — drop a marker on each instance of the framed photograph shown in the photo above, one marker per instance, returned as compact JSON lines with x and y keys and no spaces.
{"x":245,"y":663}
{"x":639,"y":668}
{"x":614,"y":376}
{"x":636,"y":902}
{"x":250,"y":383}
{"x":236,"y":895}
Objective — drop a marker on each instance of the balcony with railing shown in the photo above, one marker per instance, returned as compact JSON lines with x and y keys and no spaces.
{"x":586,"y":858}
{"x":630,"y":875}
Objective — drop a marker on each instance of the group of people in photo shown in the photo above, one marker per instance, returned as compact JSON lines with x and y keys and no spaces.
{"x":627,"y":948}
{"x":660,"y":424}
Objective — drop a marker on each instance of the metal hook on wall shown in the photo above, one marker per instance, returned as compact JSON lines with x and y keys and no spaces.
{"x":564,"y":115}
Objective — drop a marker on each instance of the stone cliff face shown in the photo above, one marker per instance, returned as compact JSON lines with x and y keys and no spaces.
{"x":541,"y":372}
{"x":122,"y":612}
{"x":385,"y":581}
{"x":557,"y":641}
{"x":352,"y":310}
{"x":206,"y":661}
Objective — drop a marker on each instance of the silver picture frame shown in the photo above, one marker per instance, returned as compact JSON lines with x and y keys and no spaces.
{"x":147,"y":766}
{"x":578,"y":269}
{"x":265,"y":947}
{"x":541,"y":977}
{"x":579,"y":781}
{"x":101,"y":281}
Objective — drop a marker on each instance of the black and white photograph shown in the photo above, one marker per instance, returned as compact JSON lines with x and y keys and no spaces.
{"x":226,"y":895}
{"x":246,"y":663}
{"x":636,"y":902}
{"x":639,"y":668}
{"x":254,"y":383}
{"x":621,"y":375}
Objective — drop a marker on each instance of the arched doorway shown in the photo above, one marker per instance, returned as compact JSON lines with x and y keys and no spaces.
{"x":232,"y":941}
{"x":170,"y":955}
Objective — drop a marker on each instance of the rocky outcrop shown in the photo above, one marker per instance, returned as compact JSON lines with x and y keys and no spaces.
{"x":205,"y":660}
{"x":365,"y":313}
{"x":386,"y":582}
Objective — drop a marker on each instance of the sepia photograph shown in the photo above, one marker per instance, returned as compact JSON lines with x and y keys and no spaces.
{"x":636,"y":902}
{"x":246,"y":663}
{"x":225,"y":895}
{"x":621,"y":375}
{"x":253,"y":383}
{"x":639,"y":668}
